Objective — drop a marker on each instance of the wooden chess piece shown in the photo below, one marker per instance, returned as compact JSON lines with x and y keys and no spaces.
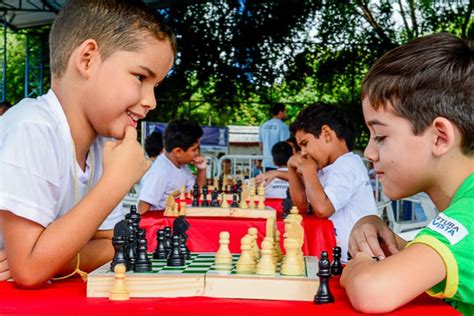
{"x":246,"y":263}
{"x":223,"y":259}
{"x":266,"y":266}
{"x":336,"y":266}
{"x":119,"y":290}
{"x":324,"y":295}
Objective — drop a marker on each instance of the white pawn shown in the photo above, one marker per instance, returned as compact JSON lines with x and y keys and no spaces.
{"x":261,"y":202}
{"x":266,"y":266}
{"x":246,"y":263}
{"x":223,"y":259}
{"x":224,"y":203}
{"x":119,"y":291}
{"x":252,"y":231}
{"x":276,"y":248}
{"x":252,"y":201}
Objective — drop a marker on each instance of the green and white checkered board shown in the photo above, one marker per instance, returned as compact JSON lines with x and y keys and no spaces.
{"x":200,"y":263}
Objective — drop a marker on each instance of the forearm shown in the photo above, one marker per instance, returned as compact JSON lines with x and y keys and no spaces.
{"x":320,"y":203}
{"x":201,"y":177}
{"x":95,"y":253}
{"x":297,"y":190}
{"x":281,"y":174}
{"x":143,"y":207}
{"x":30,"y":255}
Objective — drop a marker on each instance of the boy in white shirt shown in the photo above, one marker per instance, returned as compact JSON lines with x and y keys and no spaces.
{"x":59,"y":179}
{"x":326,"y":173}
{"x":277,"y":187}
{"x":170,"y":170}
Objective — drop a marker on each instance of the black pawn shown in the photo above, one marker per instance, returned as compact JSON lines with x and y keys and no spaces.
{"x":214,"y":201}
{"x":183,"y":248}
{"x":195,"y":202}
{"x":176,"y":259}
{"x":204,"y":196}
{"x":160,"y":251}
{"x":142,"y":264}
{"x":324,"y":295}
{"x":287,"y":204}
{"x":234,"y":201}
{"x":119,"y":244}
{"x":132,"y":252}
{"x":336,"y":266}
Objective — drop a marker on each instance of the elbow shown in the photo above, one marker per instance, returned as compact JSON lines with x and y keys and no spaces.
{"x":322,"y":212}
{"x":26,"y":280}
{"x":367,"y":296}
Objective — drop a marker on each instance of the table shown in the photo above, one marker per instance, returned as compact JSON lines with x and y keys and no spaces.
{"x":204,"y":231}
{"x":69,"y":297}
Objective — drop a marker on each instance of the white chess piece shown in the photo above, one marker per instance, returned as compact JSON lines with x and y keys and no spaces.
{"x":266,"y":266}
{"x":252,"y":231}
{"x":119,"y":290}
{"x":292,"y":263}
{"x":223,"y":259}
{"x":246,"y":263}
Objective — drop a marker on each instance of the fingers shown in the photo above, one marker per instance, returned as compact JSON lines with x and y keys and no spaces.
{"x":130,"y":134}
{"x":3,"y":255}
{"x":389,"y":241}
{"x":5,"y":275}
{"x":4,"y":269}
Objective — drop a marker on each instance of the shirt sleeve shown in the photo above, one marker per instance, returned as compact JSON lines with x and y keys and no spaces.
{"x":153,"y":188}
{"x":340,"y":186}
{"x":190,"y":180}
{"x":30,"y":172}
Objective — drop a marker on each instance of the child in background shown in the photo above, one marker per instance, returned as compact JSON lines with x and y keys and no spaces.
{"x":59,"y":179}
{"x":170,"y":171}
{"x":154,"y":145}
{"x":327,"y":174}
{"x":276,"y":187}
{"x":418,"y":102}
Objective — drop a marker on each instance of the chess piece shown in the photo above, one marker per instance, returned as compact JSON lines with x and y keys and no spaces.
{"x":246,"y":263}
{"x":182,"y":209}
{"x":182,"y":196}
{"x":132,"y":252}
{"x":119,"y":244}
{"x":261,"y":202}
{"x":252,"y":231}
{"x":160,"y":251}
{"x":176,"y":259}
{"x":214,"y":201}
{"x":287,"y":204}
{"x":119,"y":290}
{"x":252,"y":201}
{"x":142,"y":263}
{"x":291,"y":265}
{"x":224,"y":203}
{"x":204,"y":196}
{"x":266,"y":266}
{"x":223,"y":260}
{"x":336,"y":266}
{"x":234,"y":204}
{"x":324,"y":295}
{"x":195,"y":202}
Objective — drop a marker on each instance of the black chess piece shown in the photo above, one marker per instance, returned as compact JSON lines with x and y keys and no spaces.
{"x":220,"y":182}
{"x":142,"y":263}
{"x":234,"y":201}
{"x":214,"y":199}
{"x":176,"y":259}
{"x":324,"y":295}
{"x":287,"y":204}
{"x":239,"y":194}
{"x":134,"y":215}
{"x":119,"y":244}
{"x":205,"y":191}
{"x":160,"y":250}
{"x":183,"y":248}
{"x":168,"y":245}
{"x":195,"y":202}
{"x":336,"y":266}
{"x":132,"y":252}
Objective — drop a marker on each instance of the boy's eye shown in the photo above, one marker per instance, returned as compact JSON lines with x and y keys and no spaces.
{"x":379,"y":139}
{"x":140,"y":77}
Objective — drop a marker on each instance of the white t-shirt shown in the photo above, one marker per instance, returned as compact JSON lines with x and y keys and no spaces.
{"x":37,"y":163}
{"x":162,"y":179}
{"x":347,"y":185}
{"x":276,"y":189}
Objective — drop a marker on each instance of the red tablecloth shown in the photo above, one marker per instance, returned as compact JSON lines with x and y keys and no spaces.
{"x":204,"y":231}
{"x":68,"y":297}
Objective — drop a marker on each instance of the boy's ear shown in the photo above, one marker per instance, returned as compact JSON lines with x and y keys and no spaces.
{"x":177,"y":151}
{"x":444,"y":136}
{"x":87,"y":54}
{"x":326,"y":133}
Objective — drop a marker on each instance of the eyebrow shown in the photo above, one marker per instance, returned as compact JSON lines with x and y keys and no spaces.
{"x":150,"y":72}
{"x":375,"y":122}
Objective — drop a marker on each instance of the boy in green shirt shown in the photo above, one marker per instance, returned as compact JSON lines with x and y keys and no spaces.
{"x":418,"y":102}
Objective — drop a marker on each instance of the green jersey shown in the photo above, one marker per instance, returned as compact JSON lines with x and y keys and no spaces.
{"x":451,"y":235}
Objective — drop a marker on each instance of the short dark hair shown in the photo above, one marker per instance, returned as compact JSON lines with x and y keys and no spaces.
{"x":292,"y":141}
{"x":6,"y":104}
{"x":312,"y":119}
{"x":277,"y":108}
{"x":116,"y":25}
{"x":281,"y":152}
{"x":154,"y":144}
{"x":429,"y":77}
{"x":181,"y":133}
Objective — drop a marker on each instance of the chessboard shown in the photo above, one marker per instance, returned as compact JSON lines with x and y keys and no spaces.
{"x":203,"y":211}
{"x":200,"y":277}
